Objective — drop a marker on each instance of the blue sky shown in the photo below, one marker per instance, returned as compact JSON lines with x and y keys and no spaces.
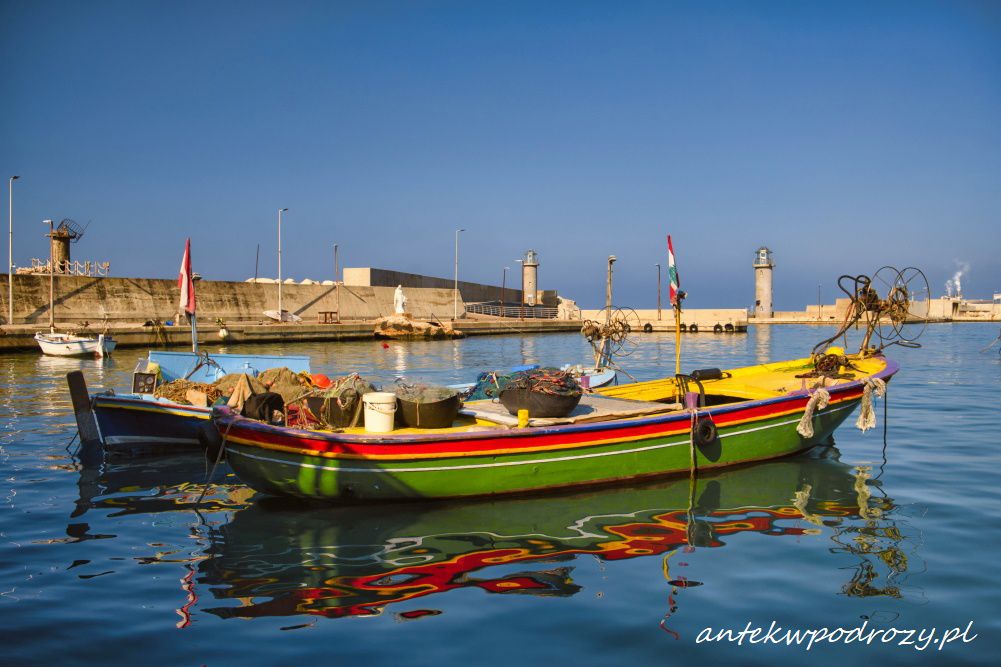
{"x":843,"y":135}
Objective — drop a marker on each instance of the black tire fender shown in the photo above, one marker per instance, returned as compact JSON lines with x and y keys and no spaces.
{"x":705,"y":432}
{"x":210,"y":440}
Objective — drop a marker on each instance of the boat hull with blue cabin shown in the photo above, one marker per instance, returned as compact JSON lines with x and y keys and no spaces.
{"x":137,"y":422}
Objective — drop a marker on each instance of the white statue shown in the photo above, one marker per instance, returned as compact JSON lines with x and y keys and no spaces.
{"x":399,"y":300}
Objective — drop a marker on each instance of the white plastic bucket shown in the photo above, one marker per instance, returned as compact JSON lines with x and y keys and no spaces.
{"x":380,"y":411}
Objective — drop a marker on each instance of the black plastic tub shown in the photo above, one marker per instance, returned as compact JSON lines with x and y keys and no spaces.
{"x":431,"y":414}
{"x":537,"y":403}
{"x":332,"y":415}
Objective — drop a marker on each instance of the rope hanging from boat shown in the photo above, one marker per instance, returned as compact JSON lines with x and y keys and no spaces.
{"x":867,"y":415}
{"x":820,"y":399}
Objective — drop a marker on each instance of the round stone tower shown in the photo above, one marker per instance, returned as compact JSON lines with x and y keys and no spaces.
{"x":530,"y":275}
{"x":763,"y":282}
{"x":60,"y":240}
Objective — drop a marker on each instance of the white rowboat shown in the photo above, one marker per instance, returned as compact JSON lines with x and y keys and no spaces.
{"x":68,"y":345}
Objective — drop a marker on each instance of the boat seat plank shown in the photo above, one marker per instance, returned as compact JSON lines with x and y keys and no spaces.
{"x":592,"y":408}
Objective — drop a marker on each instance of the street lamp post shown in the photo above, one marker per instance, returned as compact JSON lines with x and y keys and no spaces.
{"x":10,"y":254}
{"x":503,"y":289}
{"x":608,"y":290}
{"x":521,"y":309}
{"x":658,"y":292}
{"x":52,"y":280}
{"x":281,"y":317}
{"x":455,"y":297}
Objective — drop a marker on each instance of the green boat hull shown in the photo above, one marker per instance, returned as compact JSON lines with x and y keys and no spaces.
{"x":318,"y":477}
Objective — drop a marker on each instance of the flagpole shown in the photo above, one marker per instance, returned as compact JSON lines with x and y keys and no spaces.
{"x":677,"y":296}
{"x":194,"y":332}
{"x":677,"y":339}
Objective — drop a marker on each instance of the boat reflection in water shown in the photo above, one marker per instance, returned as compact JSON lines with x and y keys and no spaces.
{"x":152,"y":485}
{"x":280,"y":558}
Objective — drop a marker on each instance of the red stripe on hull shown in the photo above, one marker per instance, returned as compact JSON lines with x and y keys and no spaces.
{"x":478,"y":444}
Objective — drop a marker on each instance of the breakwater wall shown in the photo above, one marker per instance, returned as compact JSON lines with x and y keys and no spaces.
{"x":115,"y":300}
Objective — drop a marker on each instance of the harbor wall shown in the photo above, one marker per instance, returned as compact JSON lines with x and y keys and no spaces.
{"x":96,"y":300}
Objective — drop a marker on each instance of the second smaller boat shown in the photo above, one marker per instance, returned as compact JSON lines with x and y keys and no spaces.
{"x":69,"y":345}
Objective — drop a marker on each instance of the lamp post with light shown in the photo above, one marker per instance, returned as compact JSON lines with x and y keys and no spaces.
{"x":455,"y":296}
{"x":281,"y":316}
{"x":10,"y":254}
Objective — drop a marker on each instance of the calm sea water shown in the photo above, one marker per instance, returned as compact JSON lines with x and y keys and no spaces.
{"x":113,"y":564}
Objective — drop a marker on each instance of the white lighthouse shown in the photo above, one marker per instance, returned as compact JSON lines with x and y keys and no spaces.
{"x":763,"y":282}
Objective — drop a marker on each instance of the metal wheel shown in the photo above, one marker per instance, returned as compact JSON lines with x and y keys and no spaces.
{"x":616,"y":325}
{"x":883,"y":302}
{"x":911,"y":300}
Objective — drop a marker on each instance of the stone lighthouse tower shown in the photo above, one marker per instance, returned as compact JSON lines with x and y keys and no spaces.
{"x":530,"y":276}
{"x":763,"y":282}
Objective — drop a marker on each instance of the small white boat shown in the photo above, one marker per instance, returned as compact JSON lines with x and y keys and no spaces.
{"x":284,"y":317}
{"x":68,"y":345}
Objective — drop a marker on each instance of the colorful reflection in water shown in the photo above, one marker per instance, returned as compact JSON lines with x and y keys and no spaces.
{"x":280,"y":558}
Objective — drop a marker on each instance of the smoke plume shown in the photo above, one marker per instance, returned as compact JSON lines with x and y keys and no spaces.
{"x":954,"y":285}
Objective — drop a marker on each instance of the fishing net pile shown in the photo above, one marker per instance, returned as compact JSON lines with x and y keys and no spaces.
{"x":544,"y":380}
{"x":227,"y":383}
{"x":177,"y":391}
{"x":340,"y":404}
{"x":423,"y":393}
{"x":551,"y":381}
{"x":289,"y":384}
{"x":282,"y":381}
{"x":347,"y":391}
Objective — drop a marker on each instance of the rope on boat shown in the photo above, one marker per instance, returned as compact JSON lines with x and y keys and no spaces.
{"x":867,"y":416}
{"x":819,"y":400}
{"x":215,"y":464}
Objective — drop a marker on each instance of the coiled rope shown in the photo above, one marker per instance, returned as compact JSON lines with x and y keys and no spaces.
{"x":821,"y":397}
{"x":867,"y":416}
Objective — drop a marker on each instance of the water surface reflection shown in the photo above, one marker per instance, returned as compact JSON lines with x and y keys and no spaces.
{"x":281,"y":558}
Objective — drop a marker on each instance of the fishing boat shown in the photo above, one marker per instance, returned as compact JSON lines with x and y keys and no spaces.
{"x":70,"y":345}
{"x":628,"y":432}
{"x":138,"y":421}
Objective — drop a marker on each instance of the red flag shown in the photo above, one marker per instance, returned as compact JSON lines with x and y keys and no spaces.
{"x":185,"y":282}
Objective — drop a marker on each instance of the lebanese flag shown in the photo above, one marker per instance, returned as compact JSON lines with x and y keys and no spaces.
{"x":185,"y":282}
{"x":672,"y":273}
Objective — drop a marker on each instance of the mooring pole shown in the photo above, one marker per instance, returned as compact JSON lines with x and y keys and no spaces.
{"x":52,"y":280}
